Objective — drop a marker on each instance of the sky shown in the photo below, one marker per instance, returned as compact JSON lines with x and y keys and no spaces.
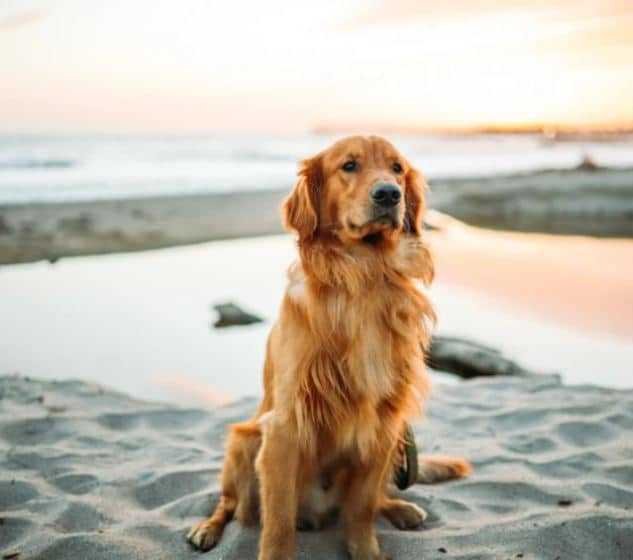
{"x":194,"y":66}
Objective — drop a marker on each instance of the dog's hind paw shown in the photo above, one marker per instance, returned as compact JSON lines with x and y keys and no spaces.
{"x":204,"y":536}
{"x":403,"y":515}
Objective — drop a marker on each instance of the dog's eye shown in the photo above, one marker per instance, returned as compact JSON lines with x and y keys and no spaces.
{"x":349,"y":166}
{"x":397,"y":168}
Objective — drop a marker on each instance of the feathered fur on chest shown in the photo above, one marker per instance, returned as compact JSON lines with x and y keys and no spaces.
{"x":366,"y":325}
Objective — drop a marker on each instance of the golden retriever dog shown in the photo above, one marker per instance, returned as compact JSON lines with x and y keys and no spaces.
{"x":344,"y":370}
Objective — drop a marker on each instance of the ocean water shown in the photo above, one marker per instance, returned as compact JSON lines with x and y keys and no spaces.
{"x":56,"y":168}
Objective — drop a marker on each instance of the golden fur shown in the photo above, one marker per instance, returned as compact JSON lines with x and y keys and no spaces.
{"x":344,"y":369}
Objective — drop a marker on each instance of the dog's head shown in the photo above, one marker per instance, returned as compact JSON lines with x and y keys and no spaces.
{"x":360,"y":190}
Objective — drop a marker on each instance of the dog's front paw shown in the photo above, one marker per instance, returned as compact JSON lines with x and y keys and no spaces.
{"x":404,"y":515}
{"x":368,"y":556}
{"x":204,"y":536}
{"x":365,"y":550}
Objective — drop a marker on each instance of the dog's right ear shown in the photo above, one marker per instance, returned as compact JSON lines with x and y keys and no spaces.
{"x":301,"y":209}
{"x":416,"y":187}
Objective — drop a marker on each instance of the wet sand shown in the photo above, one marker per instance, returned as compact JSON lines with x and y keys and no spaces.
{"x":581,"y":282}
{"x":50,"y":231}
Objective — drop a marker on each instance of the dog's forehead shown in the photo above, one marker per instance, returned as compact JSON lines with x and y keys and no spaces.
{"x":354,"y":147}
{"x":361,"y":148}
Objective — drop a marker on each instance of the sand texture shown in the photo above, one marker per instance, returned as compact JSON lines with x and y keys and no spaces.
{"x":87,"y":473}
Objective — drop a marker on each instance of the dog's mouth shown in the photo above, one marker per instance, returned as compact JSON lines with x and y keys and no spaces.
{"x":375,"y":230}
{"x":373,"y":239}
{"x":385,"y":221}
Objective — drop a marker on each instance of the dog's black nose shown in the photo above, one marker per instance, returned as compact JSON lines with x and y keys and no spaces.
{"x":386,"y":195}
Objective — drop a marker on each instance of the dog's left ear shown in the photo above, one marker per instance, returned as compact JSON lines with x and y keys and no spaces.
{"x":415,"y":201}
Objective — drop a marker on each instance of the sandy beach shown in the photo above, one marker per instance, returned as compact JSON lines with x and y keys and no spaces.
{"x":94,"y":473}
{"x":91,"y":473}
{"x":146,"y":149}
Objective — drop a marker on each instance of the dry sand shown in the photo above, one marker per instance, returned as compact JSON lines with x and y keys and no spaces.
{"x":87,"y":473}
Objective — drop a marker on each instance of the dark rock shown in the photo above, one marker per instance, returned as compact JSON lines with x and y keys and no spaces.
{"x":587,"y":164}
{"x":469,"y":359}
{"x":231,"y":315}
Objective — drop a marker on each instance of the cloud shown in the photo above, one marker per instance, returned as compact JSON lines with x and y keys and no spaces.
{"x":598,"y":29}
{"x":15,"y":21}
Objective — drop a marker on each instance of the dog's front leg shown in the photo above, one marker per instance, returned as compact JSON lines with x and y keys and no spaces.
{"x":361,"y":505}
{"x":277,"y":467}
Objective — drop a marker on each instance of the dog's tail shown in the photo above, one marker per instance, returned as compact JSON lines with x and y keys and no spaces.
{"x":440,"y":468}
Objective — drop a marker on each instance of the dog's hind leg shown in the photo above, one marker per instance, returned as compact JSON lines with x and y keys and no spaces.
{"x":239,"y":487}
{"x":247,"y":443}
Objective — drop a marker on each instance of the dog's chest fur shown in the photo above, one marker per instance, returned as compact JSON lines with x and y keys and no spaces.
{"x":363,"y":364}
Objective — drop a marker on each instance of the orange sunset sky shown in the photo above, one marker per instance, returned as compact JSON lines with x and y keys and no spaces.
{"x":204,"y":65}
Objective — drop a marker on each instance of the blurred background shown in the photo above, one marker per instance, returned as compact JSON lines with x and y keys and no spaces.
{"x":152,"y":142}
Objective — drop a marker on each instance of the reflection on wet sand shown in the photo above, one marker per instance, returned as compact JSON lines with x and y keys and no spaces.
{"x":582,"y":282}
{"x":140,"y":322}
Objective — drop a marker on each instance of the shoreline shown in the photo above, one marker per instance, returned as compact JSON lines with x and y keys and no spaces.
{"x":571,"y":202}
{"x":50,"y":231}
